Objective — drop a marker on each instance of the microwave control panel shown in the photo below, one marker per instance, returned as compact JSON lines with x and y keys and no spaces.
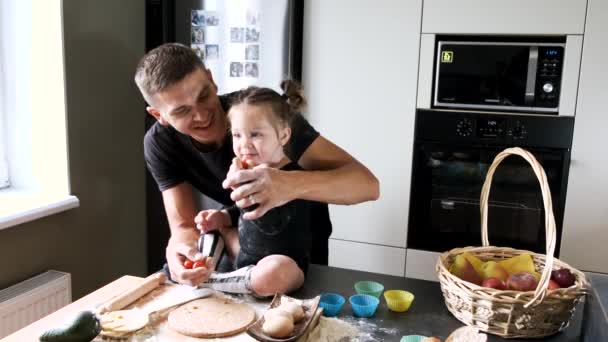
{"x":549,"y":75}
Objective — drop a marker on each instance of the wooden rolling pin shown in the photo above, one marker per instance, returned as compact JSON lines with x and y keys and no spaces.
{"x":119,"y":302}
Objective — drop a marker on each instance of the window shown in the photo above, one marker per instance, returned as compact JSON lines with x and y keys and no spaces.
{"x":3,"y":162}
{"x":33,"y":136}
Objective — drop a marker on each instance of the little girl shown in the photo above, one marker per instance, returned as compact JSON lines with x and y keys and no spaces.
{"x":260,"y":124}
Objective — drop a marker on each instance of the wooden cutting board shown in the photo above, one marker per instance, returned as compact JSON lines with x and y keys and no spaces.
{"x":211,"y":317}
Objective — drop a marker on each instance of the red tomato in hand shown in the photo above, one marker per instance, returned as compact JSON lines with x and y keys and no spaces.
{"x":244,"y":164}
{"x":198,"y":264}
{"x":188,"y":264}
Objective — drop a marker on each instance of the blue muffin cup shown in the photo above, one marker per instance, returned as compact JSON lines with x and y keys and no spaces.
{"x":331,"y":303}
{"x":363,"y":305}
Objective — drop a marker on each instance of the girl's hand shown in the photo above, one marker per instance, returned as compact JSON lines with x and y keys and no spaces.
{"x":209,"y":220}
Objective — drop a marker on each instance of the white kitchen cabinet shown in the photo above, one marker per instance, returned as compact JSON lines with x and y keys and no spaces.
{"x":585,"y":233}
{"x":367,"y":257}
{"x":360,"y":65}
{"x":421,"y":264}
{"x":524,"y":17}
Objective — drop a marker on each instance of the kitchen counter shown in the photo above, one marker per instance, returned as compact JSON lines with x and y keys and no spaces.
{"x":427,"y":315}
{"x":595,"y":326}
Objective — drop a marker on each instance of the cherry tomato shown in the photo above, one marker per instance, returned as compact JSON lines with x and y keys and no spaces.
{"x":188,"y":263}
{"x":198,"y":263}
{"x":244,"y":164}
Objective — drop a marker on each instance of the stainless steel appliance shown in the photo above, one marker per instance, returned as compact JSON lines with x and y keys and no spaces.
{"x":501,"y":74}
{"x":452,"y":152}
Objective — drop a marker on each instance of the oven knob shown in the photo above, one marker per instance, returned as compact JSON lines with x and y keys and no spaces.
{"x":548,"y":87}
{"x":464,"y":128}
{"x":519,"y":132}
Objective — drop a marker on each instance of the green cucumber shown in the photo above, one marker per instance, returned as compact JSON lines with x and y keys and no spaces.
{"x":80,"y":328}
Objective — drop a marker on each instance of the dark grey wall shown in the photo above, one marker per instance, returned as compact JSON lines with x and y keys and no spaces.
{"x":105,"y":237}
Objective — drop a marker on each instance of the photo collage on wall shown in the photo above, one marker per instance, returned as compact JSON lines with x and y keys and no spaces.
{"x":203,"y":34}
{"x":247,"y":39}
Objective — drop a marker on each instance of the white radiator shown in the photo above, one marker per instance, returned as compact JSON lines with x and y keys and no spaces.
{"x":32,"y":299}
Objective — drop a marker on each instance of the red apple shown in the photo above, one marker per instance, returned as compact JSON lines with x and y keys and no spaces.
{"x":553,"y":285}
{"x":563,"y":277}
{"x":494,"y":283}
{"x":522,"y":281}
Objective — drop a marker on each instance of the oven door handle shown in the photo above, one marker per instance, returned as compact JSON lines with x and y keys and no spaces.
{"x":531,"y":79}
{"x":447,"y":205}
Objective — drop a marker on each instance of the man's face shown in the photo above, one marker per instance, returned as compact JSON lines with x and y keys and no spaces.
{"x":192,"y":107}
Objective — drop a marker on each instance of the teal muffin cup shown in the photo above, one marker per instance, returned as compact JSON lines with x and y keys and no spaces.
{"x":412,"y":338}
{"x":369,"y":287}
{"x":363,"y":305}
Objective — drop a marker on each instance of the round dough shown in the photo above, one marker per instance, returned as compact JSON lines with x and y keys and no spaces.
{"x":295,"y":309}
{"x":278,"y":326}
{"x":270,"y":313}
{"x":211,"y":317}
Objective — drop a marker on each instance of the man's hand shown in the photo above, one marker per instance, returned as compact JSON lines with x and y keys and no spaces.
{"x":178,"y":252}
{"x":268,"y":187}
{"x":210,"y":220}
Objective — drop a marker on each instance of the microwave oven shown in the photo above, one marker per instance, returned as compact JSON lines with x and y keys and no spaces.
{"x":520,"y":76}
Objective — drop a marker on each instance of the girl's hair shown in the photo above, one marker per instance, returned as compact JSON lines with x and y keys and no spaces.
{"x":284,"y":107}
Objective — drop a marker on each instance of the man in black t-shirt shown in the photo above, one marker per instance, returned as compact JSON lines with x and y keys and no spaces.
{"x":190,"y":147}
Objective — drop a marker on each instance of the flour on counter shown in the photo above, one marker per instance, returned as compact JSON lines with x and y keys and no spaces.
{"x":333,"y":329}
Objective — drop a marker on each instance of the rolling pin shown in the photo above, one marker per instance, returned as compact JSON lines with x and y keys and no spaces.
{"x":119,"y":302}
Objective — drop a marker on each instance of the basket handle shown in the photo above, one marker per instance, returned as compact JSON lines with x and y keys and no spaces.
{"x":541,"y":289}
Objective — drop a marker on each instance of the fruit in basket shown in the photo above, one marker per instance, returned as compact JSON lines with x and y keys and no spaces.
{"x":553,"y":285}
{"x":492,"y":269}
{"x":475,"y":261}
{"x":464,"y":270}
{"x":522,"y":281}
{"x":494,"y":283}
{"x":563,"y":277}
{"x":520,"y":263}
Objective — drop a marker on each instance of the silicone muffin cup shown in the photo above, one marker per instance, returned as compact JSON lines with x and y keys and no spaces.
{"x":398,"y":300}
{"x":412,"y":338}
{"x":363,"y":305}
{"x":331,"y":303}
{"x":369,"y":287}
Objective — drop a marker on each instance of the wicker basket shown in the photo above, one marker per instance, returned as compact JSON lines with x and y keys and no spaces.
{"x":512,"y":314}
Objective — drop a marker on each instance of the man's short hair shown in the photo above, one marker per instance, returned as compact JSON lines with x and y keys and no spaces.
{"x":164,"y":66}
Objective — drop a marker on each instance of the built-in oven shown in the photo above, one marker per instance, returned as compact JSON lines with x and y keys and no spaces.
{"x":500,"y":74}
{"x":452,"y":153}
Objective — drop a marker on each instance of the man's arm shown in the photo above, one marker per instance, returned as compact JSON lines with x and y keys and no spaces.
{"x":339,"y":179}
{"x":180,"y":208}
{"x":334,"y":177}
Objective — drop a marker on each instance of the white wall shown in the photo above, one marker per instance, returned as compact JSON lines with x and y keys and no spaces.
{"x":585,"y":237}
